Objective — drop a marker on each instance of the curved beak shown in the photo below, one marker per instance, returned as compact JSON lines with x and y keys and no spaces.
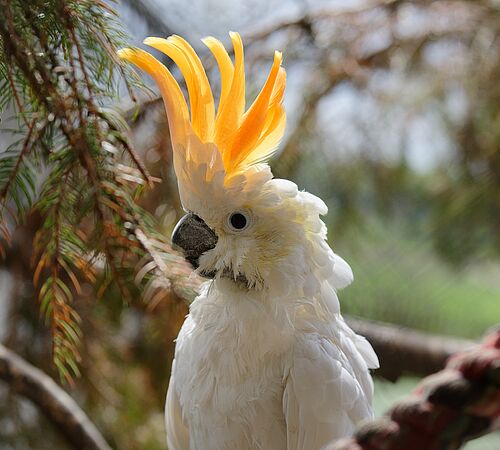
{"x":194,"y":236}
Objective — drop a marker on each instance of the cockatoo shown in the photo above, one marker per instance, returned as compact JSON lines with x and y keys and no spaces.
{"x":264,"y":360}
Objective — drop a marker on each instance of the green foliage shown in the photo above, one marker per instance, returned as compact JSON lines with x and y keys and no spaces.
{"x":73,"y":164}
{"x":466,"y":213}
{"x":398,"y":279}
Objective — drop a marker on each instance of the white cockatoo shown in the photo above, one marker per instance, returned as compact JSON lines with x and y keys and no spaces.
{"x":264,"y":360}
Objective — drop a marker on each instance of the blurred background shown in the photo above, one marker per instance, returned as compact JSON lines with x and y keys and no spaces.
{"x":393,"y":120}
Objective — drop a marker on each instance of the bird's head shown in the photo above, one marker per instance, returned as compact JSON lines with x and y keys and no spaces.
{"x":240,"y":223}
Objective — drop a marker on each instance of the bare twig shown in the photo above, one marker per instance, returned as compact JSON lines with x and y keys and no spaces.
{"x":153,"y":20}
{"x":55,"y":403}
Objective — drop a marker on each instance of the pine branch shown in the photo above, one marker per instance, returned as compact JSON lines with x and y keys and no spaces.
{"x":18,"y":183}
{"x":62,"y":54}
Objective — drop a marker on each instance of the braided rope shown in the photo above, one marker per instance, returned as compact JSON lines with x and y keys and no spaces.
{"x":459,"y":403}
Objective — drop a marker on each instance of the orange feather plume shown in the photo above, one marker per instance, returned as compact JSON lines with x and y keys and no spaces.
{"x":242,"y":138}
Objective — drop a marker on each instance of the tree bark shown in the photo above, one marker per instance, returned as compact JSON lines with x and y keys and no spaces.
{"x":444,"y":411}
{"x":30,"y":382}
{"x":402,"y":350}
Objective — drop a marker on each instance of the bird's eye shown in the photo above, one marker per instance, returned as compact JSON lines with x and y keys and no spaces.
{"x":238,"y":221}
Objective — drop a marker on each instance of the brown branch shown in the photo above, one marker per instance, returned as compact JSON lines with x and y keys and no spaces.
{"x":145,"y":10}
{"x":30,"y":382}
{"x":402,"y":350}
{"x":291,"y":152}
{"x":305,"y":21}
{"x":446,"y":409}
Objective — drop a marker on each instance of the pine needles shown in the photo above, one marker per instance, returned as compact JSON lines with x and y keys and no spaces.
{"x":73,"y":162}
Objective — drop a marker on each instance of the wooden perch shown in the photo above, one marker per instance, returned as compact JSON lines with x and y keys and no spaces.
{"x":402,"y":350}
{"x":30,"y":382}
{"x":446,"y":409}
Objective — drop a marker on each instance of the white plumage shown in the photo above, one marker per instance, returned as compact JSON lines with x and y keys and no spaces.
{"x":256,"y":370}
{"x":264,"y":359}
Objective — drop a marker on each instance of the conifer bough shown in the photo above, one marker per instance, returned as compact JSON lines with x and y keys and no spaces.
{"x":58,"y":71}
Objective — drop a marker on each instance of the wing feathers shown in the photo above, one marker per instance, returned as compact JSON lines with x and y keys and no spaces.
{"x":324,"y":397}
{"x":177,"y":432}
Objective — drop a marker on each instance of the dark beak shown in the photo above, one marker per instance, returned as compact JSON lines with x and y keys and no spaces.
{"x":195,"y":237}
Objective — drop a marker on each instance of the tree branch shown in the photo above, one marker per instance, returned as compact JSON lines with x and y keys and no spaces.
{"x":146,"y":11}
{"x":402,"y":350}
{"x":446,"y":409}
{"x":30,"y":382}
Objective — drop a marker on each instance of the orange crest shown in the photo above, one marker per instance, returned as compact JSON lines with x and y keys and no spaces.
{"x":242,"y":138}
